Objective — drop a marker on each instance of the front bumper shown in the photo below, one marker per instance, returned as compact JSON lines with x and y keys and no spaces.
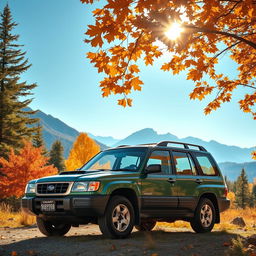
{"x":77,"y":206}
{"x":224,"y":204}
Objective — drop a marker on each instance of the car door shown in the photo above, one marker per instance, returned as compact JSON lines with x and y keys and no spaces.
{"x":187,"y":180}
{"x":158,"y":194}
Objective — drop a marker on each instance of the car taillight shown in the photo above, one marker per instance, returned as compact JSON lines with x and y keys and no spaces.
{"x":225,"y":191}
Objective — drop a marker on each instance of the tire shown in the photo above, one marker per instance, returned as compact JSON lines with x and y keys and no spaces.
{"x":205,"y":215}
{"x":50,"y":229}
{"x":118,"y":220}
{"x":146,"y":225}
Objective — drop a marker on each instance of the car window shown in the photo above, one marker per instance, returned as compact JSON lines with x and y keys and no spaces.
{"x":117,"y":159}
{"x":184,"y":163}
{"x":104,"y":163}
{"x":206,"y":165}
{"x":130,"y":162}
{"x":163,"y":158}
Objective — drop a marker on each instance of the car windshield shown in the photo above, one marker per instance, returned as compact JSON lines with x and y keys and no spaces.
{"x":117,"y":159}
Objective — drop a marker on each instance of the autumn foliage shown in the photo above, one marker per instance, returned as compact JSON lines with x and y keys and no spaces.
{"x":84,"y":149}
{"x":22,"y":167}
{"x":128,"y":32}
{"x":254,"y":155}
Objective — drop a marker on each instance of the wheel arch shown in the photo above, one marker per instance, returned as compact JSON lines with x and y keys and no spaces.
{"x":213,"y":198}
{"x":131,"y":195}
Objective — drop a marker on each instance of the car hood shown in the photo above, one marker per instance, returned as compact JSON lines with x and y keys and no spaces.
{"x":90,"y":175}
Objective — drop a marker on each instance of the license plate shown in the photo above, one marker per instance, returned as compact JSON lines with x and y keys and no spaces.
{"x":47,"y":206}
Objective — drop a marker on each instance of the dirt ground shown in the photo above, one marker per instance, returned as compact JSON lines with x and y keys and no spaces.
{"x":87,"y":240}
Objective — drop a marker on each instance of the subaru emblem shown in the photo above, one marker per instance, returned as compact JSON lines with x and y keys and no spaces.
{"x":50,"y":187}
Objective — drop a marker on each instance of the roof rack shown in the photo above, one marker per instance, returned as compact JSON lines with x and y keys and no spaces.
{"x":148,"y":144}
{"x":186,"y":145}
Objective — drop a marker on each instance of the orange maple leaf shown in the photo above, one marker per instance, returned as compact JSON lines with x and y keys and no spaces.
{"x":135,"y":83}
{"x":122,"y":102}
{"x":134,"y":68}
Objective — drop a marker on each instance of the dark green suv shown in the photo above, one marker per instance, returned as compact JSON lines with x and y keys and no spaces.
{"x":131,"y":186}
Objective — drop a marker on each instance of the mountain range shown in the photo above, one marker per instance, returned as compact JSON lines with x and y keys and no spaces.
{"x":221,"y":152}
{"x":230,"y":158}
{"x":54,"y":129}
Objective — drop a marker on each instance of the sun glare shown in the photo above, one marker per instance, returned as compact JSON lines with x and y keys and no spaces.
{"x":174,"y":31}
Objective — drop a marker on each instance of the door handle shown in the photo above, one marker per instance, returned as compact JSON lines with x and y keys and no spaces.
{"x":172,"y":180}
{"x":199,"y":181}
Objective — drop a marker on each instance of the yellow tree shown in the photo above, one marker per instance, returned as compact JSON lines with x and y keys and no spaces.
{"x":84,"y":149}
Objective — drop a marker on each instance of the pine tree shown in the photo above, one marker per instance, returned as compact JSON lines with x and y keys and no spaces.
{"x":254,"y":194}
{"x":15,"y":122}
{"x":242,"y":191}
{"x":56,"y":156}
{"x":254,"y":190}
{"x":38,"y":139}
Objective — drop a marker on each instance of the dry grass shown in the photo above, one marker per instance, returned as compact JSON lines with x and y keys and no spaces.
{"x":248,"y":214}
{"x":9,"y":218}
{"x":176,"y":224}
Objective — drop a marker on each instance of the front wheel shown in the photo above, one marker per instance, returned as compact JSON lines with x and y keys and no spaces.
{"x":205,"y":216}
{"x":118,"y":220}
{"x":52,"y":229}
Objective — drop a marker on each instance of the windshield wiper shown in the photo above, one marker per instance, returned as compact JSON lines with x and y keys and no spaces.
{"x":71,"y":172}
{"x":95,"y":170}
{"x":125,"y":170}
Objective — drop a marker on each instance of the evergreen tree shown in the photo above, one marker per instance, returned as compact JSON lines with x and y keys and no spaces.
{"x":242,"y":191}
{"x":15,"y":122}
{"x":254,"y":190}
{"x":251,"y":200}
{"x":234,"y":188}
{"x":254,"y":194}
{"x":56,"y":156}
{"x":38,"y":139}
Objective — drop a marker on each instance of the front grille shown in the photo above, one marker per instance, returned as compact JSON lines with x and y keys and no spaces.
{"x":52,"y":188}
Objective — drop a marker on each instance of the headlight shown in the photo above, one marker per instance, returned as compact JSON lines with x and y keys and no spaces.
{"x":86,"y":186}
{"x":80,"y":186}
{"x":30,"y":188}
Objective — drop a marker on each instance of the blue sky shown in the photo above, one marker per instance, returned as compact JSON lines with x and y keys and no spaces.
{"x":53,"y":33}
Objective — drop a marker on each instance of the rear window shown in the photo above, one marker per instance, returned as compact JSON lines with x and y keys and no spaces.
{"x":184,"y":163}
{"x":206,"y":165}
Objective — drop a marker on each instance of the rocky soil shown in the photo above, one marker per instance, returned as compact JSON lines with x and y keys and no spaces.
{"x":87,"y":240}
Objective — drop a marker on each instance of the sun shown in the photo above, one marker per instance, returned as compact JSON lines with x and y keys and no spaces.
{"x":174,"y":31}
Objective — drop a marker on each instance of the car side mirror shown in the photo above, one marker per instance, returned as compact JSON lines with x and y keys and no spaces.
{"x":153,"y":168}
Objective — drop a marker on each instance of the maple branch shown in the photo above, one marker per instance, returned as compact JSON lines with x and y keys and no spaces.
{"x":218,"y":93}
{"x":206,"y":30}
{"x":130,"y":57}
{"x":227,"y":48}
{"x":230,"y":11}
{"x":240,"y":25}
{"x":249,"y":86}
